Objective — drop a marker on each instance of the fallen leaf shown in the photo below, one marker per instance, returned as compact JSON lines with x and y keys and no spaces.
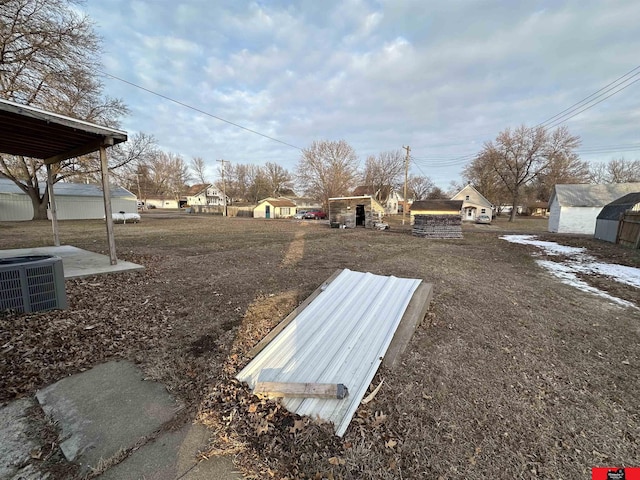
{"x":390,"y":443}
{"x":298,"y":425}
{"x":253,"y":408}
{"x":337,"y":461}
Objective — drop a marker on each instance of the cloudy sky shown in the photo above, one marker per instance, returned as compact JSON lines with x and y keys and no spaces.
{"x":440,"y":76}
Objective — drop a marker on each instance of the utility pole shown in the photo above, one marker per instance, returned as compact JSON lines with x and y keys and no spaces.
{"x":406,"y":180}
{"x":224,"y":188}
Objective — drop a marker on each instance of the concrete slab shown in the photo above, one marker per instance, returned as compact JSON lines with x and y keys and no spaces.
{"x":16,"y":443}
{"x":171,"y":456}
{"x":77,"y":262}
{"x":104,"y":410}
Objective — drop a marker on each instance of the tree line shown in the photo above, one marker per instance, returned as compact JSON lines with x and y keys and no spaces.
{"x":522,"y":165}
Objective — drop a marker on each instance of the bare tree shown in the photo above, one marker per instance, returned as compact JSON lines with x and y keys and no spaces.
{"x":259,"y":186}
{"x":419,"y":187}
{"x":615,"y":171}
{"x":327,"y":169}
{"x":382,"y":172}
{"x":436,"y":193}
{"x":520,"y":156}
{"x":278,"y":178}
{"x":198,"y":167}
{"x":169,"y":175}
{"x":48,"y":58}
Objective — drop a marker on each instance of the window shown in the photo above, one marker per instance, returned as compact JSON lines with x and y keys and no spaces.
{"x":285,"y":211}
{"x":483,"y":210}
{"x":466,"y":197}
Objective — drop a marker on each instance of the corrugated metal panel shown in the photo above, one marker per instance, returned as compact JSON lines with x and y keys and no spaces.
{"x":341,"y":337}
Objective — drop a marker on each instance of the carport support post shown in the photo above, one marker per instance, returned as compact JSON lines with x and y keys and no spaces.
{"x":106,"y":193}
{"x":52,"y":207}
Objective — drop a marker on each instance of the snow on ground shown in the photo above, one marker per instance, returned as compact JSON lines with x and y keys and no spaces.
{"x":577,"y":261}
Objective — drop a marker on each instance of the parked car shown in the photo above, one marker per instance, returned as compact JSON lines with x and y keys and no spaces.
{"x":315,"y":214}
{"x":300,"y":214}
{"x":486,"y":219}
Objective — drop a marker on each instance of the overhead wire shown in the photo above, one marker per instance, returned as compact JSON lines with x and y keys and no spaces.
{"x":203,"y":112}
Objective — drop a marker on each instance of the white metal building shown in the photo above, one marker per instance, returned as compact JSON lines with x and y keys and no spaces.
{"x":574,"y":208}
{"x":74,"y":201}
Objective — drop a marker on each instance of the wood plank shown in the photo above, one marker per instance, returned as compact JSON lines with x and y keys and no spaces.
{"x":413,"y":315}
{"x":300,"y":390}
{"x":289,"y":318}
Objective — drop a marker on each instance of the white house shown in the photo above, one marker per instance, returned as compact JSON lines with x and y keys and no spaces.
{"x":574,"y":208}
{"x":473,"y":203}
{"x":74,"y":201}
{"x":205,"y":194}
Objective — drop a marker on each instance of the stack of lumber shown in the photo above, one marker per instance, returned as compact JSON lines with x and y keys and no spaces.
{"x":437,"y":226}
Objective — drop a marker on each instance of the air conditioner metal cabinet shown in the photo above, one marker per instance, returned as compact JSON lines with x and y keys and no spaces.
{"x":32,"y":284}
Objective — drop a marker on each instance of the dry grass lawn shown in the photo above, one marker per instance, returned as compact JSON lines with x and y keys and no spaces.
{"x":512,"y":373}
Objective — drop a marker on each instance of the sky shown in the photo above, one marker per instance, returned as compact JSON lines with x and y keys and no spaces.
{"x":442,"y":77}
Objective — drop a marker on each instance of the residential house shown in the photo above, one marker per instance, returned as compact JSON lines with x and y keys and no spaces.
{"x":274,"y":208}
{"x":74,"y":201}
{"x":473,"y":203}
{"x":574,"y":208}
{"x":608,"y":220}
{"x":538,"y":209}
{"x":355,"y":211}
{"x":205,"y":194}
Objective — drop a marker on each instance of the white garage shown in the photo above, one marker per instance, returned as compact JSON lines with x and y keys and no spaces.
{"x":74,"y":201}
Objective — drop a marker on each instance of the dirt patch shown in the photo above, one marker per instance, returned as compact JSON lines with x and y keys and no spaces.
{"x":513,"y":371}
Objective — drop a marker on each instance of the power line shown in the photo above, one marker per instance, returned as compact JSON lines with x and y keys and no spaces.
{"x":576,"y":105}
{"x":592,"y":105}
{"x":197,"y":109}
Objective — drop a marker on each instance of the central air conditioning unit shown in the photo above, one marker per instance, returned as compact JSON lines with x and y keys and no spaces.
{"x":32,"y":284}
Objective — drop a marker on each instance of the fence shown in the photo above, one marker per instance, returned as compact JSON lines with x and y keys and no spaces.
{"x":629,"y":230}
{"x":246,"y":211}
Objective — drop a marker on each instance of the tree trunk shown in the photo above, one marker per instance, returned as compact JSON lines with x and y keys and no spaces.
{"x":514,"y":209}
{"x":39,"y":204}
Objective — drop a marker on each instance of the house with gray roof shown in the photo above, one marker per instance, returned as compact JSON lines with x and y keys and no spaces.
{"x":574,"y":208}
{"x":74,"y":201}
{"x":608,"y":221}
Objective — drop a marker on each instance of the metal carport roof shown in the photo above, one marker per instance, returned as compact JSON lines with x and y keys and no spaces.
{"x":36,"y":133}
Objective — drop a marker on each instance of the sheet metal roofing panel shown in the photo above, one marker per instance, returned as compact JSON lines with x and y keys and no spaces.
{"x":341,"y":337}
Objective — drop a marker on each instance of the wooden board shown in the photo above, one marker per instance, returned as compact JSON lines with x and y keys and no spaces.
{"x":300,"y":390}
{"x":413,"y":315}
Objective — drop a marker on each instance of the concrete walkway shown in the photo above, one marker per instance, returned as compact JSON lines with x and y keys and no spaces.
{"x":76,"y":262}
{"x":111,"y":420}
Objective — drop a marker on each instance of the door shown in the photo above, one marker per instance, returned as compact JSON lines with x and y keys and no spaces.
{"x":267,"y":211}
{"x":360,"y":216}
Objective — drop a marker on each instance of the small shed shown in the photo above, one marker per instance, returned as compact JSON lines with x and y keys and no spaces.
{"x":608,"y":220}
{"x":74,"y":201}
{"x":356,"y":211}
{"x":436,"y":207}
{"x":275,"y":208}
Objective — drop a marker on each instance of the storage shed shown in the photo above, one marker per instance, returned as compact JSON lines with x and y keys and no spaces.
{"x":74,"y":201}
{"x":356,"y":211}
{"x":573,"y":208}
{"x":608,"y":221}
{"x":275,"y":208}
{"x":437,"y":218}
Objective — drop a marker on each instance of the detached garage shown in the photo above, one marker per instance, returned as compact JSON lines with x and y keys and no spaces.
{"x":574,"y":208}
{"x":608,"y":221}
{"x":74,"y":201}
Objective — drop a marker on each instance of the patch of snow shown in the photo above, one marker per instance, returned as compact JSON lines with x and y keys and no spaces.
{"x":551,"y":248}
{"x":567,"y":275}
{"x":579,"y":262}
